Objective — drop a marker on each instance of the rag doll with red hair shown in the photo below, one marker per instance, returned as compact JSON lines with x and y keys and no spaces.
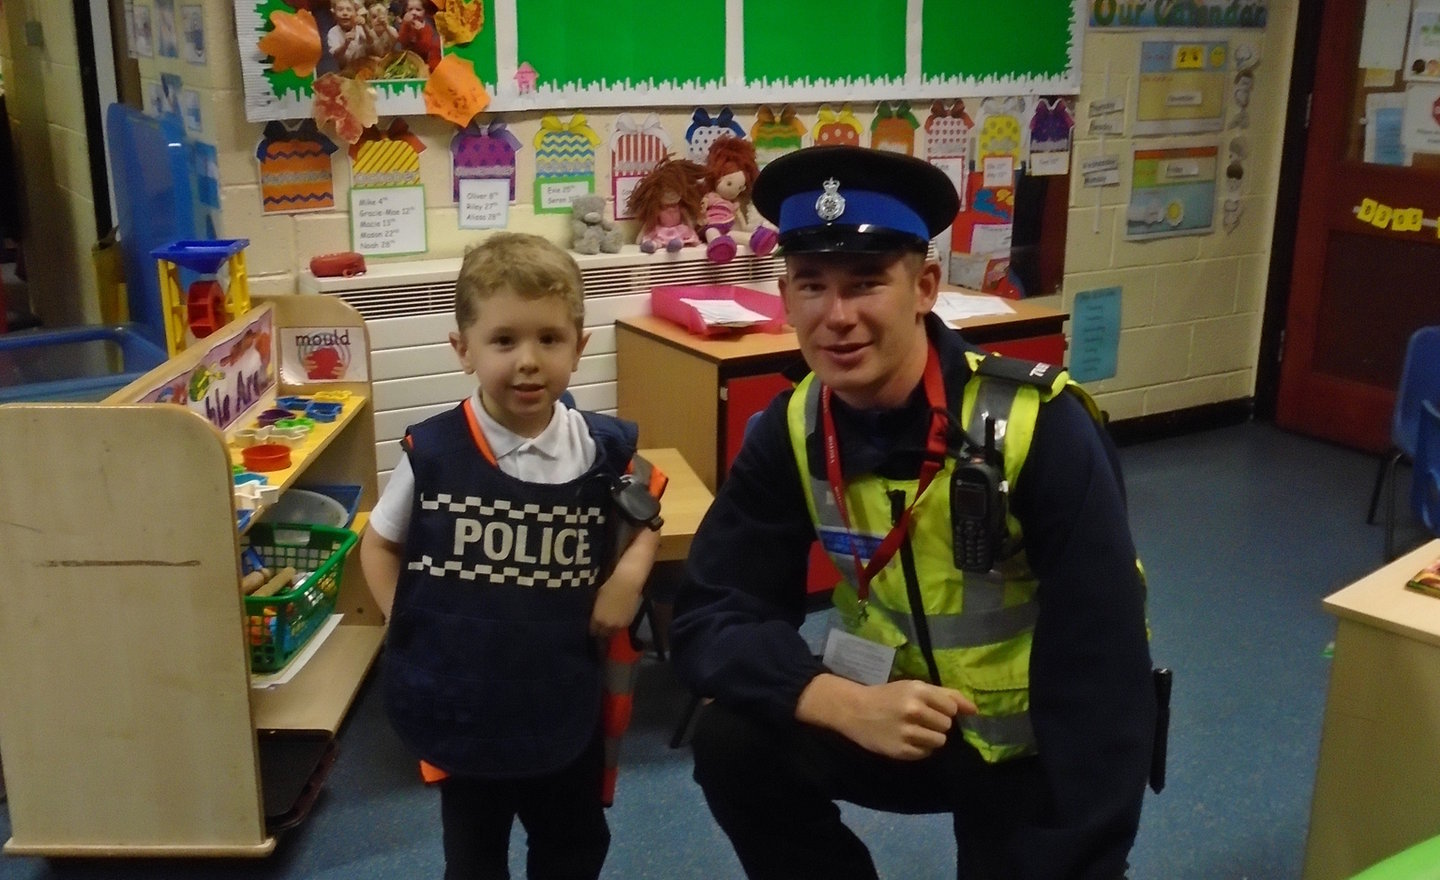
{"x":667,"y":202}
{"x":730,"y":172}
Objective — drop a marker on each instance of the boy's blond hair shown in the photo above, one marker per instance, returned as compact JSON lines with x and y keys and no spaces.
{"x":527,"y":265}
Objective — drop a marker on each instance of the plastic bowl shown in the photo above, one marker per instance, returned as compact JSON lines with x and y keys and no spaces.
{"x":266,"y":457}
{"x":308,"y":508}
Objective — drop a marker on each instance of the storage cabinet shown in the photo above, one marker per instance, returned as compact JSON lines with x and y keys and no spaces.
{"x":130,"y":723}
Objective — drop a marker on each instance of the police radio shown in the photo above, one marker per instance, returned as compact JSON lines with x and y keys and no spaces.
{"x":977,"y":505}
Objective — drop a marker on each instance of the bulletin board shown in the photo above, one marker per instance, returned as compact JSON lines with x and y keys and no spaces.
{"x":543,"y":54}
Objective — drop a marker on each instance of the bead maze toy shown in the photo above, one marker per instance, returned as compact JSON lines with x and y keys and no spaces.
{"x":219,"y":293}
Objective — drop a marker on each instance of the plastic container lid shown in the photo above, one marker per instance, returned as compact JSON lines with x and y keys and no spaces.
{"x":309,"y":508}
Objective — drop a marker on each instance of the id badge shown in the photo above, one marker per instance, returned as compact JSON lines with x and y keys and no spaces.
{"x":857,"y":659}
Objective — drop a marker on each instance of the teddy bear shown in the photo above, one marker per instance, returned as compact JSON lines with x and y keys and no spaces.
{"x":591,"y":232}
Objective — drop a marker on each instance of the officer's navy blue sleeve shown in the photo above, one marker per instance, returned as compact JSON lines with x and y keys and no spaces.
{"x":1091,"y":698}
{"x":735,"y":633}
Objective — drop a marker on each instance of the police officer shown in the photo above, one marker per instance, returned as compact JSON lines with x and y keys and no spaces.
{"x":988,"y":653}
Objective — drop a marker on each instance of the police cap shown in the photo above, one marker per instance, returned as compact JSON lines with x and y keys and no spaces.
{"x":854,"y":200}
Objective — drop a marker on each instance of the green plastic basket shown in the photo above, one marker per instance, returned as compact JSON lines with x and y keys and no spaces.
{"x":279,"y":626}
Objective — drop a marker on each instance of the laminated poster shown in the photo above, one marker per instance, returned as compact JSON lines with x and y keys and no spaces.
{"x":322,"y":354}
{"x":1172,"y":192}
{"x":1182,"y":87}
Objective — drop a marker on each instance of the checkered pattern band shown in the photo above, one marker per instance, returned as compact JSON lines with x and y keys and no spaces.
{"x":504,"y":574}
{"x":501,"y":508}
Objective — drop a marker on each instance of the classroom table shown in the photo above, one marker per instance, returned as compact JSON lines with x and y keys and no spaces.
{"x":1377,"y":789}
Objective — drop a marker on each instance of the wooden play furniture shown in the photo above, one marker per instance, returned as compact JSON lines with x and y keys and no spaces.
{"x":1376,"y":789}
{"x":128,"y":717}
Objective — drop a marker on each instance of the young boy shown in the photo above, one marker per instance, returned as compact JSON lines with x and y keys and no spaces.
{"x":487,"y":552}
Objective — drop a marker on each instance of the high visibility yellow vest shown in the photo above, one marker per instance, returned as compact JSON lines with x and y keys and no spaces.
{"x":980,"y":625}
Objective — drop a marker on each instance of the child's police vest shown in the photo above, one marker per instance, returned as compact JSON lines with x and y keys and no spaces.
{"x":490,"y":670}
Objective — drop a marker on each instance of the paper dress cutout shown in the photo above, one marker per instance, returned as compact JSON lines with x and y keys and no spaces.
{"x":635,"y":148}
{"x":485,"y":155}
{"x":1051,"y":126}
{"x":1000,"y":133}
{"x":389,"y":159}
{"x":837,"y":128}
{"x":564,"y":154}
{"x":704,"y":131}
{"x":894,"y":128}
{"x":775,"y":135}
{"x":295,"y":172}
{"x":947,"y":130}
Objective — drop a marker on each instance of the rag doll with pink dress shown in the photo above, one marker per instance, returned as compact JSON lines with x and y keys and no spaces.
{"x":730,"y":172}
{"x":667,"y":202}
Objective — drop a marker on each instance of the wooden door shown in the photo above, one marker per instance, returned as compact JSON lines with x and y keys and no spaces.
{"x":1366,"y":268}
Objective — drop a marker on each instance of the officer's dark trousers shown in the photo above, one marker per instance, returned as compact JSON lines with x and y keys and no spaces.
{"x":564,"y":821}
{"x":773,"y":791}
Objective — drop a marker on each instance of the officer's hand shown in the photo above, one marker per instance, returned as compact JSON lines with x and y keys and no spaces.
{"x":907,"y":720}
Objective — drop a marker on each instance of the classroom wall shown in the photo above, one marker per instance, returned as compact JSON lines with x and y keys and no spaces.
{"x":1191,"y":306}
{"x":47,"y":123}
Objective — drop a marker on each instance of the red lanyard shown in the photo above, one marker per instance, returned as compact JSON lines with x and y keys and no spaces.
{"x":935,"y":447}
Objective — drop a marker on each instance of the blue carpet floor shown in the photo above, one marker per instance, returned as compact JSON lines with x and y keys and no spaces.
{"x":1243,"y":531}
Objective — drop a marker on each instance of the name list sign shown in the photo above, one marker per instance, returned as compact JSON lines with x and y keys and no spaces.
{"x":388,"y":221}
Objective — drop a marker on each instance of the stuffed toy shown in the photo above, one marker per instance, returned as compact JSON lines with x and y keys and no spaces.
{"x":730,"y":172}
{"x":590,"y":231}
{"x":667,"y":203}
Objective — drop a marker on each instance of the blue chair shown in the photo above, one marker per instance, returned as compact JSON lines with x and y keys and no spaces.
{"x":1419,"y":381}
{"x":1425,"y":483}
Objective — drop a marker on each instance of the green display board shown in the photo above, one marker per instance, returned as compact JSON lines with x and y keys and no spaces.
{"x":574,"y":54}
{"x":625,"y":53}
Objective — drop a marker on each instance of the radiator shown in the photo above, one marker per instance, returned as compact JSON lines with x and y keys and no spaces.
{"x":409,"y":308}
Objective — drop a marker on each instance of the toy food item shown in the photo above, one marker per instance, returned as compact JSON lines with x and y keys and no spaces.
{"x":278,"y":583}
{"x":342,"y":263}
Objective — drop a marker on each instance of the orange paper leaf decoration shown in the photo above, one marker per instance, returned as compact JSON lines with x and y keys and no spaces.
{"x":294,"y":43}
{"x":344,"y":106}
{"x":459,"y":21}
{"x":454,"y":92}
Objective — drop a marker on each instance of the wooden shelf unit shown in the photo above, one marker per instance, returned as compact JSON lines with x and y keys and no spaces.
{"x":128,"y":722}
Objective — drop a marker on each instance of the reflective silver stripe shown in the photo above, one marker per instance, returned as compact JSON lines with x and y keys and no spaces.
{"x":995,"y":400}
{"x":620,"y":677}
{"x":968,"y":630}
{"x":1002,"y":730}
{"x":825,"y":510}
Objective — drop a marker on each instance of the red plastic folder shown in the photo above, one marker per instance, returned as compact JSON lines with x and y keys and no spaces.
{"x":667,"y":301}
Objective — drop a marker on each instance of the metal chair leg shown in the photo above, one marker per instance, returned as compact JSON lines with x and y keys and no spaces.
{"x":1386,"y":466}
